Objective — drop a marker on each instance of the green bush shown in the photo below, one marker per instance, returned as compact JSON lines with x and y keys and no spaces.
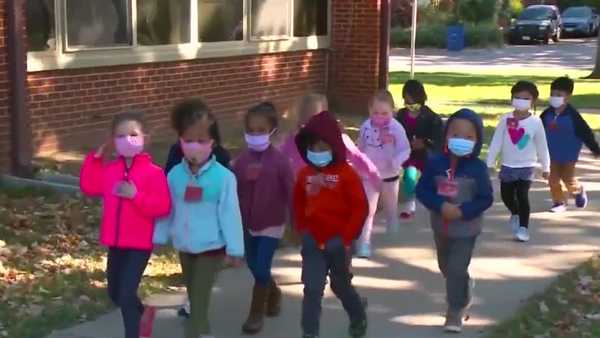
{"x":434,"y":36}
{"x":476,"y":10}
{"x":563,"y":4}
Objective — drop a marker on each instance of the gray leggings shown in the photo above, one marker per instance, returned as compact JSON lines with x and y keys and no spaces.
{"x":454,"y":257}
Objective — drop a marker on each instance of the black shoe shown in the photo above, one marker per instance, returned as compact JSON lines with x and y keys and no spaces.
{"x":358,"y":329}
{"x":183,"y":313}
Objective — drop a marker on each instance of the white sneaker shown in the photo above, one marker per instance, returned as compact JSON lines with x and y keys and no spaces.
{"x":514,"y":223}
{"x":522,"y":234}
{"x":558,"y":208}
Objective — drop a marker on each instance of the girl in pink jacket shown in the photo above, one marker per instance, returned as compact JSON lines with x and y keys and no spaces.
{"x":134,"y":194}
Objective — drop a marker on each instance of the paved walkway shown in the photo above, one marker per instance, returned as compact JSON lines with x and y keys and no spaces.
{"x":573,"y":53}
{"x":404,"y":288}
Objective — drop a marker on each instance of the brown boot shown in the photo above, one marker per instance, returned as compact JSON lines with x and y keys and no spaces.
{"x":274,"y":300}
{"x":254,"y":323}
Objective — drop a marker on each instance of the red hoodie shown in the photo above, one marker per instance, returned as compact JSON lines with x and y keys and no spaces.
{"x":330,"y":201}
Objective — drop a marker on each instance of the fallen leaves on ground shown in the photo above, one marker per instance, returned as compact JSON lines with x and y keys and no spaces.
{"x":569,"y":308}
{"x":51,"y":266}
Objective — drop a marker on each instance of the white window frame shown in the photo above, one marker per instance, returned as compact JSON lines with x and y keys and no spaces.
{"x":63,"y":58}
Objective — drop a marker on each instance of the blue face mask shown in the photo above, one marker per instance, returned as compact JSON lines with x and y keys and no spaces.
{"x":460,"y":146}
{"x":319,"y":159}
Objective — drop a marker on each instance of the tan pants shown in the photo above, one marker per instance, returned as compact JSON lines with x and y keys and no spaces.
{"x":564,"y":173}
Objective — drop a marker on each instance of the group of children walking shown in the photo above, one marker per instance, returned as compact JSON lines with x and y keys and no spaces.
{"x":214,"y":212}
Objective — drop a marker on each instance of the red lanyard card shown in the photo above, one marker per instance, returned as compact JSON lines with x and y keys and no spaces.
{"x":512,"y":122}
{"x":193,"y":194}
{"x":253,"y":171}
{"x":448,"y":187}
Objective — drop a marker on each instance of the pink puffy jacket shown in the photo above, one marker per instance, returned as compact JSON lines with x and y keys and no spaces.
{"x":127,"y":224}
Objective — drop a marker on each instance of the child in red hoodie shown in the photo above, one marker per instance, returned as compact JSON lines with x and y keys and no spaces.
{"x":330,"y":208}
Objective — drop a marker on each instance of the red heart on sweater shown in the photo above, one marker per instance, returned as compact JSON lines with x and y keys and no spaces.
{"x":516,"y":134}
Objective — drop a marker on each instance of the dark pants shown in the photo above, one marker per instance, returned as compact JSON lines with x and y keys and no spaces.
{"x":316,"y":265}
{"x":259,"y":256}
{"x":124,"y":272}
{"x":454,"y":257}
{"x":515,"y":196}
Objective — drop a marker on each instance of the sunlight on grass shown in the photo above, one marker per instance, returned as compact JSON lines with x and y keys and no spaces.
{"x":488,"y":92}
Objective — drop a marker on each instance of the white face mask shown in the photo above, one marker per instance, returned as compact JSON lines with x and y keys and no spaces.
{"x":557,"y":101}
{"x":521,"y":104}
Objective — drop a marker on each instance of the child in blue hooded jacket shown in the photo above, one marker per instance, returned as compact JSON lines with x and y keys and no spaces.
{"x":205,"y":224}
{"x":457,"y":190}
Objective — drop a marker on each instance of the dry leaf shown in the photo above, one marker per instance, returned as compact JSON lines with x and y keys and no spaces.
{"x":543,"y":307}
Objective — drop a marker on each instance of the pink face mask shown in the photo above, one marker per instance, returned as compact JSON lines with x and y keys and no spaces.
{"x":380,"y":121}
{"x":129,"y":146}
{"x":196,"y":152}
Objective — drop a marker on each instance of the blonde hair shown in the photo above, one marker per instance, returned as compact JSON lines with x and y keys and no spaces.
{"x":384,"y":95}
{"x":308,"y":106}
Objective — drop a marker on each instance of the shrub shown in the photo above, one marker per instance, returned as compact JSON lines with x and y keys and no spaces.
{"x":434,"y":36}
{"x":476,"y":10}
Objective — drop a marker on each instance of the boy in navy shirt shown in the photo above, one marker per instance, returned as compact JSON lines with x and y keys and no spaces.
{"x":566,"y":132}
{"x":457,"y":190}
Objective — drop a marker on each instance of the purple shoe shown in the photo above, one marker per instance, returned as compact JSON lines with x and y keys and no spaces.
{"x":581,"y":199}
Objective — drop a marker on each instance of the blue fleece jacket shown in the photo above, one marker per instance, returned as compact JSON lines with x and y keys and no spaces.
{"x":475,"y":193}
{"x":213,"y":222}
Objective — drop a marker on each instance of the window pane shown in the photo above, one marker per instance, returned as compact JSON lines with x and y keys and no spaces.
{"x":220,"y":20}
{"x":98,"y":23}
{"x":40,"y":25}
{"x":163,"y":22}
{"x":310,"y":17}
{"x":270,"y":19}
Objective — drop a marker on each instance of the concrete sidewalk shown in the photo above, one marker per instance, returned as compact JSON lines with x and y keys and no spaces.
{"x":402,"y":283}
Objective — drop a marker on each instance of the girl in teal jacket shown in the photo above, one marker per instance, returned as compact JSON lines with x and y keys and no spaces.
{"x":205,"y":224}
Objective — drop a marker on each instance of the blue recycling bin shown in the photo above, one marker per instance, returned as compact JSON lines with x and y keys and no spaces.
{"x":456,"y":38}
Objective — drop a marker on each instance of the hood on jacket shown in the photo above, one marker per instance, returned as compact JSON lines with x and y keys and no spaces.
{"x":325,"y":127}
{"x":467,"y":114}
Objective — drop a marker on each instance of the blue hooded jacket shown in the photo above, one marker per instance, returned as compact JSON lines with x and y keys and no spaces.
{"x":475,"y":193}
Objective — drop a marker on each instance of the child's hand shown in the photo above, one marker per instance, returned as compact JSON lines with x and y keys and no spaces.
{"x":546,"y":175}
{"x":451,"y":211}
{"x":234,"y":262}
{"x":105,"y":150}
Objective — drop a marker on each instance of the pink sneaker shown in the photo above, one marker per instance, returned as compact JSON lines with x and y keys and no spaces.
{"x":406,"y":216}
{"x":147,"y":322}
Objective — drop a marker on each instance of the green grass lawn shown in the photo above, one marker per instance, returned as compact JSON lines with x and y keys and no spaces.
{"x":488,"y":92}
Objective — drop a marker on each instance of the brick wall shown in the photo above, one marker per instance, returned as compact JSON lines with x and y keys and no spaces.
{"x":354,"y":61}
{"x":71,"y":109}
{"x":4,"y":92}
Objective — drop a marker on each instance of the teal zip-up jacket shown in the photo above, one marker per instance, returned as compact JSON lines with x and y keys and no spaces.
{"x":212,"y":223}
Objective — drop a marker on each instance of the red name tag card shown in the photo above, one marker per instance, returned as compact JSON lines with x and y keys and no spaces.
{"x":193,"y":194}
{"x":253,"y":171}
{"x":448,"y":188}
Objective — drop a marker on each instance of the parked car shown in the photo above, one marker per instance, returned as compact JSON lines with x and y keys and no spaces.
{"x":537,"y":22}
{"x":581,"y":20}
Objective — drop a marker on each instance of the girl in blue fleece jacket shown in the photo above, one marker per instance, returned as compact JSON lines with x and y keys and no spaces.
{"x":205,"y":223}
{"x":457,"y":190}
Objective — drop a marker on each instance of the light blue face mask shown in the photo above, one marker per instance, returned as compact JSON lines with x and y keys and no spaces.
{"x":460,"y":146}
{"x":319,"y":159}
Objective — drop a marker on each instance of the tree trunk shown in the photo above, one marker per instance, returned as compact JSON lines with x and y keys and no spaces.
{"x":596,"y":72}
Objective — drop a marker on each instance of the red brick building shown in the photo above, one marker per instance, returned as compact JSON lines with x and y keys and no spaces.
{"x":67,"y":66}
